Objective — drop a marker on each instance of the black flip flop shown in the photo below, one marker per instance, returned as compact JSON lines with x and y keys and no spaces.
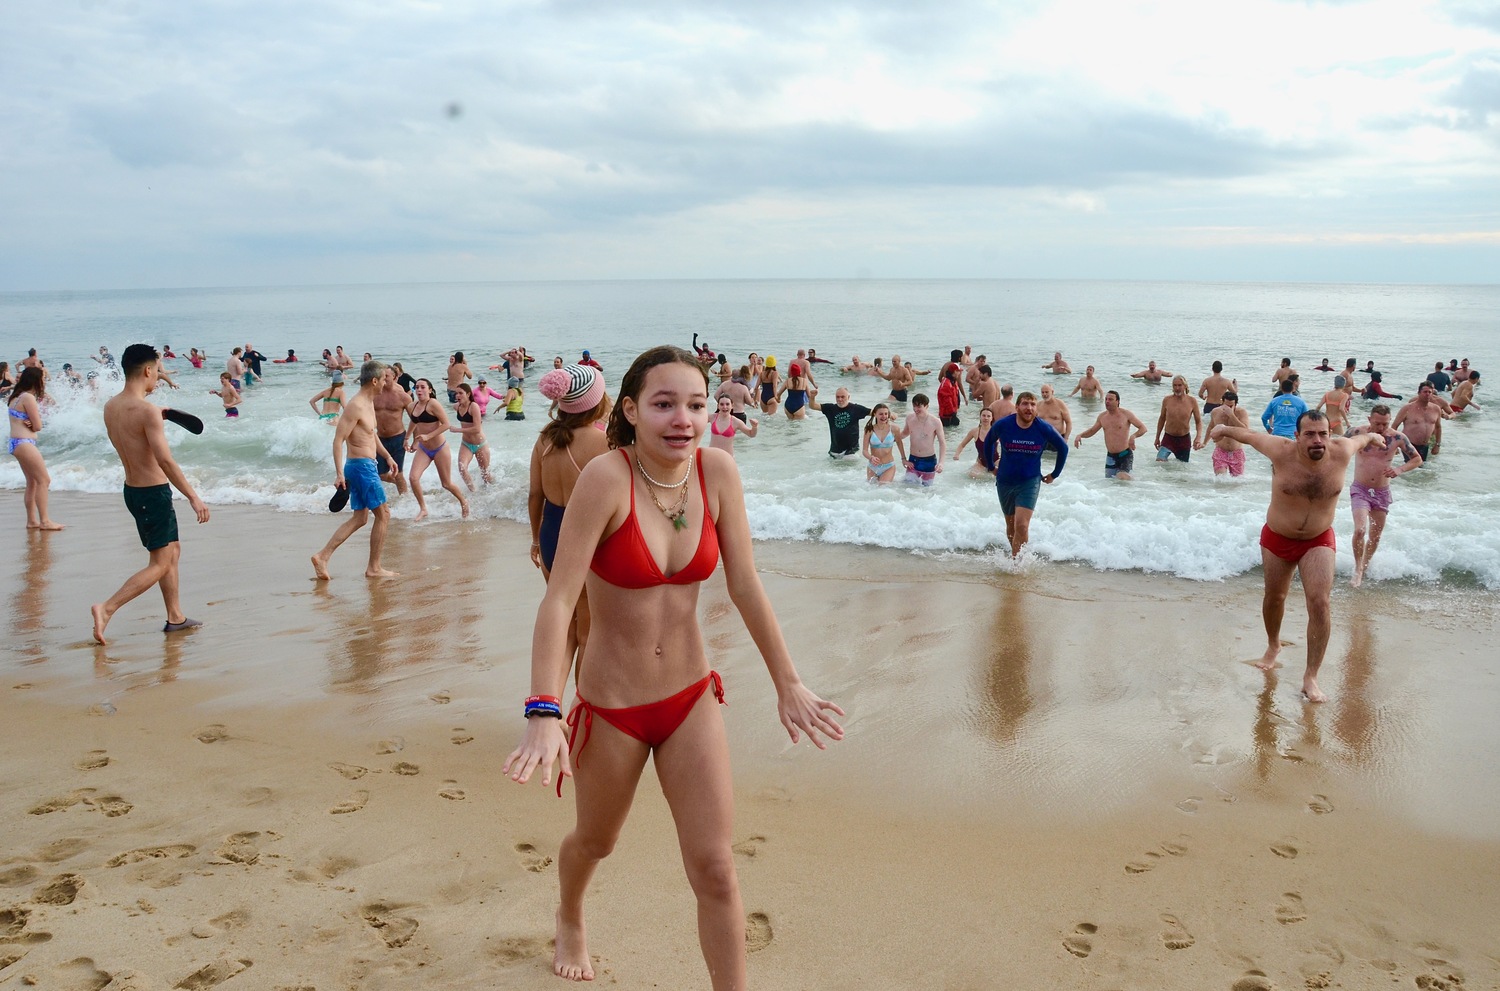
{"x":339,"y":501}
{"x":186,"y":421}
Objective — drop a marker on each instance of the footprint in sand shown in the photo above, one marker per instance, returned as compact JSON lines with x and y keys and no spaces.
{"x":758,"y":933}
{"x":211,"y":734}
{"x":1253,"y":981}
{"x":13,"y":928}
{"x":441,"y":698}
{"x":213,"y":974}
{"x":533,"y":859}
{"x":461,"y":736}
{"x":1284,"y":850}
{"x":749,"y":846}
{"x":61,"y":890}
{"x":174,"y":851}
{"x":92,"y":760}
{"x":452,"y":792}
{"x":8,"y":957}
{"x":112,"y":806}
{"x":1154,"y":857}
{"x":393,"y":745}
{"x":351,"y":771}
{"x":518,"y":948}
{"x":13,"y":877}
{"x":102,"y":709}
{"x":59,"y":850}
{"x":79,"y":975}
{"x":61,"y":802}
{"x":1447,"y":982}
{"x":241,"y":848}
{"x":1079,"y":944}
{"x":1175,"y":936}
{"x":235,"y":919}
{"x":394,"y":930}
{"x":1190,"y":805}
{"x":353,"y":803}
{"x":405,"y":768}
{"x":1289,"y":910}
{"x":1319,"y":805}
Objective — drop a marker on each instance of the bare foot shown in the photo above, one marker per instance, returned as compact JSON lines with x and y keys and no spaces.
{"x":320,"y":568}
{"x":570,"y":960}
{"x":1359,"y":577}
{"x":49,"y":525}
{"x":1312,"y":691}
{"x":1268,"y":660}
{"x":465,"y":506}
{"x":421,"y":515}
{"x":382,"y":573}
{"x":100,"y":622}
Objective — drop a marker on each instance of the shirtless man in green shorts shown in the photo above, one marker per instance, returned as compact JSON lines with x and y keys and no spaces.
{"x":136,"y":429}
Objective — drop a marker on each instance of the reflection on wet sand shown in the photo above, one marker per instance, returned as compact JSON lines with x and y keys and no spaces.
{"x":1007,"y":699}
{"x":29,"y":603}
{"x":1353,"y":716}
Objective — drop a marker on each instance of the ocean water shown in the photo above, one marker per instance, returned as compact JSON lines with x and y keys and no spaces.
{"x":1175,"y":519}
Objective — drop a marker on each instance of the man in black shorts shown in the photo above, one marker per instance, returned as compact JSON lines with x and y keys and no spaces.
{"x":843,"y":422}
{"x":136,"y":429}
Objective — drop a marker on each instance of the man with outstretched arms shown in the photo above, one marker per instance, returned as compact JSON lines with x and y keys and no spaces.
{"x":1057,"y":366}
{"x":1119,"y":442}
{"x":1282,"y":413}
{"x":843,"y":422}
{"x":1212,"y":389}
{"x":1307,"y":478}
{"x":1088,"y":387}
{"x":1151,"y":373}
{"x":137,"y":431}
{"x":1370,"y":492}
{"x":390,"y":404}
{"x":360,"y":475}
{"x":1421,"y":420}
{"x":1179,"y":428}
{"x":1229,"y":454}
{"x":1017,"y":442}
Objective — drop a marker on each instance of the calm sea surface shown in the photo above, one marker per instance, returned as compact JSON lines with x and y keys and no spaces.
{"x":1444,"y":528}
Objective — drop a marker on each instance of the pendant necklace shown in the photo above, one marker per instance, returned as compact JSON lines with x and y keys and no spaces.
{"x":678,"y":513}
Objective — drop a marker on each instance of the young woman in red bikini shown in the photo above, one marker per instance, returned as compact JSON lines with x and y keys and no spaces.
{"x":661,"y":512}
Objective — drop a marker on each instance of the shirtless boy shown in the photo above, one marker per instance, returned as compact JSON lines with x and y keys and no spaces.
{"x":926,"y":446}
{"x":1421,"y":420}
{"x":1055,"y":411}
{"x":1179,"y":428}
{"x":1229,"y":454}
{"x":355,"y":431}
{"x":227,"y":394}
{"x":1119,"y":442}
{"x":390,"y":404}
{"x":1370,"y":492}
{"x":1088,"y":387}
{"x":1297,"y":538}
{"x":138,"y":433}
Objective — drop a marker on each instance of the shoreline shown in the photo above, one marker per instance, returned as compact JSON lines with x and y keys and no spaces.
{"x":1040,"y":770}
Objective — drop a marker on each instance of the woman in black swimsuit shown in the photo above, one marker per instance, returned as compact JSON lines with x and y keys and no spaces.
{"x":471,"y":426}
{"x":427,"y":440}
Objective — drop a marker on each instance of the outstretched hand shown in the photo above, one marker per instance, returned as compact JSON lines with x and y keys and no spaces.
{"x":803,"y":711}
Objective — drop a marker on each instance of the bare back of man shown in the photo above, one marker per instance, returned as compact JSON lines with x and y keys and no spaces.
{"x":1005,"y":405}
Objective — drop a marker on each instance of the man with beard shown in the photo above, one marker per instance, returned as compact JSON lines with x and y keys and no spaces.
{"x":1308,"y":472}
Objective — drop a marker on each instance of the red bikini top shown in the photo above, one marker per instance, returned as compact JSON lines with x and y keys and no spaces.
{"x":624,"y":560}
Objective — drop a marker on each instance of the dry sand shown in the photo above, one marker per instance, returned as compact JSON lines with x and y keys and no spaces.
{"x":1051,"y":779}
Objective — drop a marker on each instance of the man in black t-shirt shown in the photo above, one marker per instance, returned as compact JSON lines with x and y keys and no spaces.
{"x":843,"y":422}
{"x":1440,"y":379}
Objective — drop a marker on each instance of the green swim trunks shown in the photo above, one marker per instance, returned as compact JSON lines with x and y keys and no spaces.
{"x":155,"y":519}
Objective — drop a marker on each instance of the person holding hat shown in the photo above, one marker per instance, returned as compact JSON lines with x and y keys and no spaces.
{"x":573,"y":436}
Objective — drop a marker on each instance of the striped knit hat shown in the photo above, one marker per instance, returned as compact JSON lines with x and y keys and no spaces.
{"x":576,"y":388}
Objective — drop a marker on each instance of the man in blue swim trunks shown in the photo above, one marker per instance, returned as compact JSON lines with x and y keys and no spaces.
{"x":1018,"y":441}
{"x":355,"y":430}
{"x":136,"y":429}
{"x":927,"y":446}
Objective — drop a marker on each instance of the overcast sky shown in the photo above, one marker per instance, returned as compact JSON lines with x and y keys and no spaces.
{"x":146,"y":143}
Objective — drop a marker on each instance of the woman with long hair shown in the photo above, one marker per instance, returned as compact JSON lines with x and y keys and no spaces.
{"x":427,"y":440}
{"x":977,"y":435}
{"x":573,"y":436}
{"x":660,"y":513}
{"x":724,"y":425}
{"x":471,"y":425}
{"x":769,"y":394}
{"x":25,"y":409}
{"x":332,"y":399}
{"x":881,"y":446}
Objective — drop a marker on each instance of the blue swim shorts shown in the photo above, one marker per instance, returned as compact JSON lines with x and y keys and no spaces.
{"x":1020,"y":495}
{"x":362,"y":476}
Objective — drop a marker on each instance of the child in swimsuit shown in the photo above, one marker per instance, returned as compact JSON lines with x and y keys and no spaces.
{"x":229,"y":394}
{"x":881,"y":446}
{"x":25,"y":419}
{"x":471,"y":426}
{"x":659,"y":516}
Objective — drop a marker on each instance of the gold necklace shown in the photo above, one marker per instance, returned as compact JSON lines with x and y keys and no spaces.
{"x":677,"y":514}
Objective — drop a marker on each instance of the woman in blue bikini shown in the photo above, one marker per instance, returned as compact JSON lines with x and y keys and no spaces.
{"x":471,"y":426}
{"x":882,"y":446}
{"x":427,"y":441}
{"x":25,"y":420}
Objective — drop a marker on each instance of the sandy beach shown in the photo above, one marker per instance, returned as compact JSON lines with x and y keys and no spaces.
{"x":1052,"y":778}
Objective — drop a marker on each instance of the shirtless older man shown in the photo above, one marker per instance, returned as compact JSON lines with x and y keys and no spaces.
{"x":1151,"y":373}
{"x":1421,"y":420}
{"x":136,"y":429}
{"x":1005,"y":405}
{"x":359,"y":475}
{"x":1307,"y":479}
{"x":901,"y":377}
{"x":1119,"y":442}
{"x":1370,"y":492}
{"x":1055,"y":411}
{"x":1179,"y":428}
{"x":390,"y":426}
{"x":1057,"y":366}
{"x":1088,"y":387}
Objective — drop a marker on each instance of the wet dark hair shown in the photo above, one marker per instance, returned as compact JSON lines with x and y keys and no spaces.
{"x":1288,"y":384}
{"x":1230,"y":396}
{"x":33,"y":381}
{"x":136,"y":357}
{"x":1313,"y":415}
{"x":458,"y":356}
{"x":920,"y":399}
{"x":621,"y":432}
{"x":1218,"y":367}
{"x":466,"y":389}
{"x":1113,"y":393}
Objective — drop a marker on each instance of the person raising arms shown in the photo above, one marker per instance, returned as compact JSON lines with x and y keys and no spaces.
{"x":659,"y":517}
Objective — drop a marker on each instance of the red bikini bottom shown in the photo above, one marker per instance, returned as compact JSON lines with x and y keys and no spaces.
{"x":652,"y":723}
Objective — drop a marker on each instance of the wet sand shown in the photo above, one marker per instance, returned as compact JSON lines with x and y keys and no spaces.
{"x":1054,"y":778}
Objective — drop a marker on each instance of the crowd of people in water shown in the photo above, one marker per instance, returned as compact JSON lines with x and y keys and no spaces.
{"x":623,"y":567}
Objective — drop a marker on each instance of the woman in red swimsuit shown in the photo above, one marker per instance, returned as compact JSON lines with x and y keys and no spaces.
{"x":659,"y":514}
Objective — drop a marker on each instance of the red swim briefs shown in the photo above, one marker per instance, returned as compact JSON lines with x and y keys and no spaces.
{"x":1290,"y":549}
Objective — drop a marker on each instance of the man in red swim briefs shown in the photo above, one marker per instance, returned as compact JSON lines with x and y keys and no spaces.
{"x":1307,"y":478}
